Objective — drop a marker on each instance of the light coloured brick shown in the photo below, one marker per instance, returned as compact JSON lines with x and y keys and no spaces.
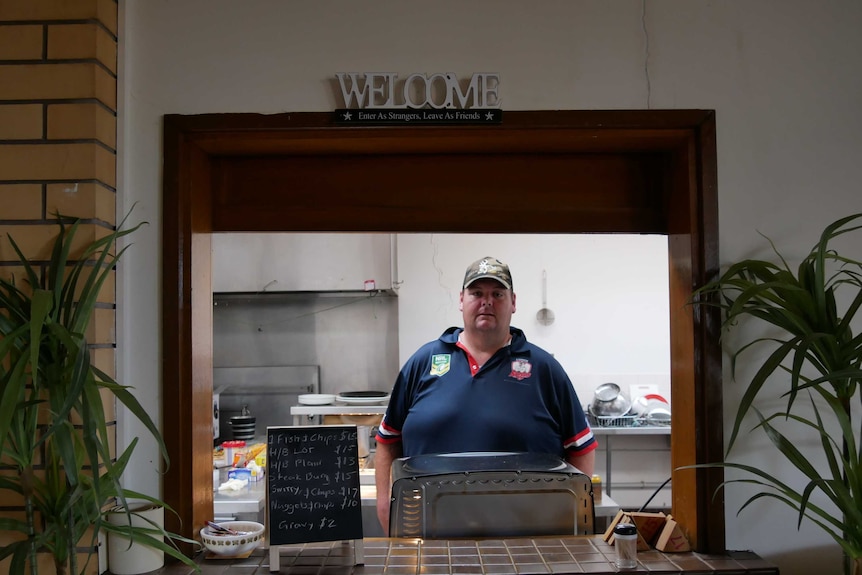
{"x":82,"y":200}
{"x":82,"y":42}
{"x":105,"y":359}
{"x":58,"y":81}
{"x":28,"y":237}
{"x":44,"y":561}
{"x":110,"y":416}
{"x":108,"y":292}
{"x":20,"y":42}
{"x":10,"y":499}
{"x":82,"y":121}
{"x":21,"y":122}
{"x":17,"y":275}
{"x":35,"y":241}
{"x":81,"y":161}
{"x":101,"y":328}
{"x":103,"y":10}
{"x":58,"y":162}
{"x":20,"y":201}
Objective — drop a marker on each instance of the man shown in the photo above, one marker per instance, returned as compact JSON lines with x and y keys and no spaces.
{"x":481,"y":388}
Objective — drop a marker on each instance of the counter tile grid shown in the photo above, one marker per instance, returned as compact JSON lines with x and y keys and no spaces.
{"x":538,"y":556}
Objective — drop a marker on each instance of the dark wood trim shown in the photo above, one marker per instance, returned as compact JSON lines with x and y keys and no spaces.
{"x":653,"y":172}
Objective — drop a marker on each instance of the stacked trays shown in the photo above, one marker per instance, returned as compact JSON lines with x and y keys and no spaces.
{"x":243,"y":427}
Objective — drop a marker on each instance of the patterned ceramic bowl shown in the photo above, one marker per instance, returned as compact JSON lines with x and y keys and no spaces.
{"x":251,"y":536}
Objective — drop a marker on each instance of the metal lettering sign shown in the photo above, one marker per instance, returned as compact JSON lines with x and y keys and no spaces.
{"x":381,"y":98}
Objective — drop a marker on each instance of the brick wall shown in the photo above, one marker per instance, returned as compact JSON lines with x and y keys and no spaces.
{"x":58,"y":126}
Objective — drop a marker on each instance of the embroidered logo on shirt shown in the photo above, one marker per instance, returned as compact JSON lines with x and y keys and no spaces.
{"x":440,"y":364}
{"x":521,"y":369}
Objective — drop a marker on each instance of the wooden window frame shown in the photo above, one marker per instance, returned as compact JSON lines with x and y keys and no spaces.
{"x":536,"y":172}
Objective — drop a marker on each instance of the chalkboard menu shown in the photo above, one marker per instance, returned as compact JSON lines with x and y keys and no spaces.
{"x":313,"y":475}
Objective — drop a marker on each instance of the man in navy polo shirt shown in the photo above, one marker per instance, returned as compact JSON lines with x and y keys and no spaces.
{"x":481,"y":388}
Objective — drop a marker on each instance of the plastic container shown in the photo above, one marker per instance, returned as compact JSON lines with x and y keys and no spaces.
{"x":241,"y":473}
{"x":231,"y":448}
{"x":626,"y":543}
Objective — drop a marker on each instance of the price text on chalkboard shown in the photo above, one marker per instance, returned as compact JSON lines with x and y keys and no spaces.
{"x":313,"y":475}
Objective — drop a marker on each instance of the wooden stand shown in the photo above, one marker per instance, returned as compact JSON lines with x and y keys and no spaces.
{"x":313,"y":492}
{"x":358,"y":554}
{"x":654,"y":530}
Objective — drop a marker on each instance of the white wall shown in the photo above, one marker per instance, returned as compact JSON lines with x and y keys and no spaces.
{"x":779,"y":73}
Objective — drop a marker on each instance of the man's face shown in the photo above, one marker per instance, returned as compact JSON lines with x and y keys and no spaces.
{"x":487,"y":305}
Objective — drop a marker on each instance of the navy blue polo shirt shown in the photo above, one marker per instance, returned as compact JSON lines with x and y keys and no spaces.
{"x":520,"y":400}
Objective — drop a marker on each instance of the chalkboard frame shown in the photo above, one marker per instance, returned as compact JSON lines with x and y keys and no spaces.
{"x":313,"y":488}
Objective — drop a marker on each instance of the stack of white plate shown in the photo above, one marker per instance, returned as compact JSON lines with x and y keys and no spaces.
{"x":362,"y":397}
{"x":315,"y":399}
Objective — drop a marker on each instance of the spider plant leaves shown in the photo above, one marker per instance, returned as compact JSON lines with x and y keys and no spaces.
{"x":52,"y":403}
{"x":757,"y":382}
{"x":807,"y":346}
{"x":773,"y":488}
{"x":831,"y":485}
{"x":13,"y":383}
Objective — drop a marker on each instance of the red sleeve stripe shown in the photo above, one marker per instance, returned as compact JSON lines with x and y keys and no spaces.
{"x":583,"y":442}
{"x":388,"y":432}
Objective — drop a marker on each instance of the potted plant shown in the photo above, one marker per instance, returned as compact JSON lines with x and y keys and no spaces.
{"x":816,"y":360}
{"x":53,"y":427}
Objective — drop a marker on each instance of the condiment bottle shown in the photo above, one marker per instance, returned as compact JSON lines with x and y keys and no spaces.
{"x":231,"y":450}
{"x":597,"y":489}
{"x":626,"y":543}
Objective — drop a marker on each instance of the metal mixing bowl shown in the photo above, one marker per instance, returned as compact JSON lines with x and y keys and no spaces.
{"x":609,"y":401}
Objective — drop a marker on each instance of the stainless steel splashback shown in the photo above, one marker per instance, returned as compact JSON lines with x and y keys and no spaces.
{"x":268,"y":391}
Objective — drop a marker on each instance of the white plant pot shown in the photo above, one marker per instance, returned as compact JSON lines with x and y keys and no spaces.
{"x":132,"y":560}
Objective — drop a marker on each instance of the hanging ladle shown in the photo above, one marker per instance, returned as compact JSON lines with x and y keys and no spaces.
{"x":544,"y":315}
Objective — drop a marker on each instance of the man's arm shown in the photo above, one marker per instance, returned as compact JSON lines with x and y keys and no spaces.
{"x":385,"y":454}
{"x":586,"y":462}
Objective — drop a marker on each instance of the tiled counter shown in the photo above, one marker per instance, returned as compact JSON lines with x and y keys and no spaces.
{"x":528,"y":556}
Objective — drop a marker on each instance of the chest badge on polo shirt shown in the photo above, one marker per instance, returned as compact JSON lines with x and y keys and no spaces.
{"x":440,"y":363}
{"x":521,"y":369}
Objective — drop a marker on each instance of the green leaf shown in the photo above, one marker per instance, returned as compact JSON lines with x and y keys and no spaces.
{"x":46,"y":375}
{"x":807,"y":319}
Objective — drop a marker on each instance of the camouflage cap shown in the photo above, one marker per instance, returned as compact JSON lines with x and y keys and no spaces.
{"x":490,"y":268}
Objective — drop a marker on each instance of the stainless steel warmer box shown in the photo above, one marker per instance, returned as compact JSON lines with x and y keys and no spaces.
{"x":467,"y":495}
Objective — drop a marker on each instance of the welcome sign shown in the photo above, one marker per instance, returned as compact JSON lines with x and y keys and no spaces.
{"x":384,"y":98}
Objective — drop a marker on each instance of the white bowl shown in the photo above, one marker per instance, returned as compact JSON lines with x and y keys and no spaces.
{"x":233,"y":545}
{"x":315,"y":399}
{"x":646,"y":403}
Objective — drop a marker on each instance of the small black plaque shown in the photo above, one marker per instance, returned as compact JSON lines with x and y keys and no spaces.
{"x":423,"y":116}
{"x":313,"y":484}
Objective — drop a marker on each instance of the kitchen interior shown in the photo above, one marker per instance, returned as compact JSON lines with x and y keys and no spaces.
{"x":300,"y":316}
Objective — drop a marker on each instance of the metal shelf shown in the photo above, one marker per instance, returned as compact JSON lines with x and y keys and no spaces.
{"x":642,"y":430}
